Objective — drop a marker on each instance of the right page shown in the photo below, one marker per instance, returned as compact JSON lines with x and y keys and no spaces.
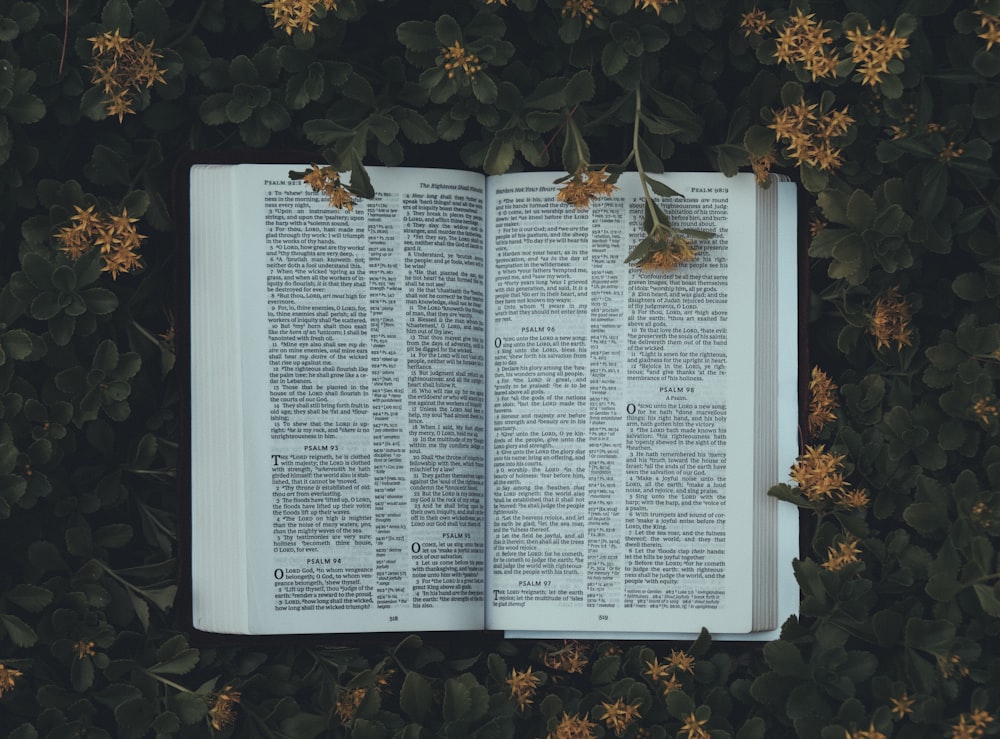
{"x":620,"y":408}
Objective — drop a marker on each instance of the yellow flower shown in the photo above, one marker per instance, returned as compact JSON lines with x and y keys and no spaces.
{"x":805,"y":41}
{"x":902,"y":706}
{"x":842,"y":554}
{"x":672,"y":251}
{"x":762,"y":166}
{"x":458,"y":57}
{"x":122,"y":67}
{"x":822,"y":401}
{"x":890,"y":320}
{"x":858,"y":498}
{"x":573,"y":727}
{"x":327,"y":179}
{"x":681,"y":661}
{"x":755,"y":22}
{"x":83,"y":649}
{"x":583,"y":8}
{"x":584,"y":186}
{"x":950,"y":665}
{"x":872,"y":51}
{"x":8,"y":678}
{"x":656,"y":671}
{"x":114,"y":236}
{"x":980,"y":717}
{"x":293,"y":15}
{"x":522,"y":687}
{"x":870,"y":733}
{"x":669,"y":686}
{"x":984,"y":409}
{"x":693,"y":727}
{"x":991,"y":28}
{"x":569,"y":658}
{"x":818,"y":473}
{"x":654,"y":4}
{"x":348,"y":703}
{"x":619,"y":715}
{"x":223,"y":710}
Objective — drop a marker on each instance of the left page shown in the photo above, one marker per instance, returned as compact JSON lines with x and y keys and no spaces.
{"x":360,"y":338}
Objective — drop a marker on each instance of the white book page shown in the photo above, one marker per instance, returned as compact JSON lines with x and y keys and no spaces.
{"x":620,"y":407}
{"x":362,"y":396}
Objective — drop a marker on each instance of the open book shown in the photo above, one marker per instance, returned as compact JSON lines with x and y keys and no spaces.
{"x":455,"y":407}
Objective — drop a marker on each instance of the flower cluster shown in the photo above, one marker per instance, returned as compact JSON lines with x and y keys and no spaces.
{"x":619,"y":715}
{"x":871,"y":52}
{"x":665,"y":675}
{"x":583,"y":8}
{"x":298,"y":15}
{"x":972,"y":725}
{"x":457,"y":57}
{"x":327,"y":180}
{"x":115,"y":237}
{"x":755,"y":22}
{"x":8,"y":678}
{"x":222,"y":713}
{"x":83,"y":649}
{"x":802,"y":40}
{"x":655,"y":4}
{"x":572,"y":727}
{"x":348,"y":703}
{"x":585,"y":185}
{"x":984,"y":409}
{"x":822,"y":401}
{"x":809,"y":136}
{"x":695,"y":727}
{"x":671,"y":250}
{"x":902,"y":706}
{"x":990,"y":25}
{"x":842,"y":554}
{"x":571,"y":657}
{"x":889,"y":321}
{"x":522,"y":687}
{"x":819,"y":475}
{"x":123,"y":67}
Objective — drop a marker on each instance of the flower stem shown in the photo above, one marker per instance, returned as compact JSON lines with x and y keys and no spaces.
{"x":638,"y":163}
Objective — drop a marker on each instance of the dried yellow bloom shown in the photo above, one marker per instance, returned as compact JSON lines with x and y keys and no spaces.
{"x":818,"y":473}
{"x":122,"y":68}
{"x":457,"y":57}
{"x":980,"y":718}
{"x":293,"y":15}
{"x":808,"y":136}
{"x":762,"y":166}
{"x":842,"y":554}
{"x":991,"y":28}
{"x":583,"y":8}
{"x":8,"y":678}
{"x":522,"y":687}
{"x":872,"y":51}
{"x":114,"y":236}
{"x":584,"y":186}
{"x":222,"y":713}
{"x":681,"y":661}
{"x":951,"y":666}
{"x":694,"y":727}
{"x":902,"y":706}
{"x":619,"y":715}
{"x":971,"y":726}
{"x":984,"y":409}
{"x":348,"y":703}
{"x":656,"y":671}
{"x":654,"y":4}
{"x":669,"y":686}
{"x":327,"y":179}
{"x":672,"y":251}
{"x":83,"y":649}
{"x":890,"y":320}
{"x":858,"y":498}
{"x":822,"y":401}
{"x":570,"y":657}
{"x":573,"y":727}
{"x":755,"y":22}
{"x":870,"y":733}
{"x":805,"y":41}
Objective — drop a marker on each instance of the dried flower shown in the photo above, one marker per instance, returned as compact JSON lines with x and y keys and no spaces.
{"x":755,"y":22}
{"x":808,"y":136}
{"x":457,"y":57}
{"x":572,"y":727}
{"x":570,"y":657}
{"x":8,"y":678}
{"x":670,"y":251}
{"x":762,"y":166}
{"x":805,"y":41}
{"x":619,"y":715}
{"x":819,"y":473}
{"x":890,"y":320}
{"x":114,"y":236}
{"x":984,"y":409}
{"x":669,"y":686}
{"x":681,"y":661}
{"x":123,"y":67}
{"x":842,"y":554}
{"x":951,"y":666}
{"x":870,"y":733}
{"x":83,"y":649}
{"x":902,"y":706}
{"x":522,"y":687}
{"x":991,"y":28}
{"x":872,"y":51}
{"x":327,"y":179}
{"x":348,"y":703}
{"x":973,"y":725}
{"x":694,"y":727}
{"x":656,"y":671}
{"x":298,"y":15}
{"x":856,"y":498}
{"x":582,"y":8}
{"x":223,"y":710}
{"x":822,"y":401}
{"x":654,"y":4}
{"x":585,"y":185}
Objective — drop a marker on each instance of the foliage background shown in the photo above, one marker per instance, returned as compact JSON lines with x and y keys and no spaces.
{"x":901,"y":586}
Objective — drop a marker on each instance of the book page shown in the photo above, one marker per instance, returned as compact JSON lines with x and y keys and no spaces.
{"x":363,"y":389}
{"x":621,"y":412}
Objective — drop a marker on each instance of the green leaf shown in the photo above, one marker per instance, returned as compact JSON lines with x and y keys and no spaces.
{"x":113,"y":535}
{"x":988,"y":598}
{"x":605,"y":669}
{"x":117,"y":14}
{"x":861,"y":210}
{"x":679,"y":704}
{"x":499,"y":156}
{"x":99,"y":301}
{"x":416,"y":696}
{"x":414,"y":126}
{"x":418,"y":36}
{"x":447,"y":30}
{"x":613,"y":58}
{"x":25,"y":108}
{"x":81,"y":674}
{"x":31,"y":598}
{"x":135,"y":716}
{"x":19,"y":632}
{"x":664,"y":190}
{"x":17,"y":344}
{"x":384,"y":127}
{"x":580,"y":88}
{"x":457,"y":700}
{"x":785,"y":659}
{"x":484,"y":88}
